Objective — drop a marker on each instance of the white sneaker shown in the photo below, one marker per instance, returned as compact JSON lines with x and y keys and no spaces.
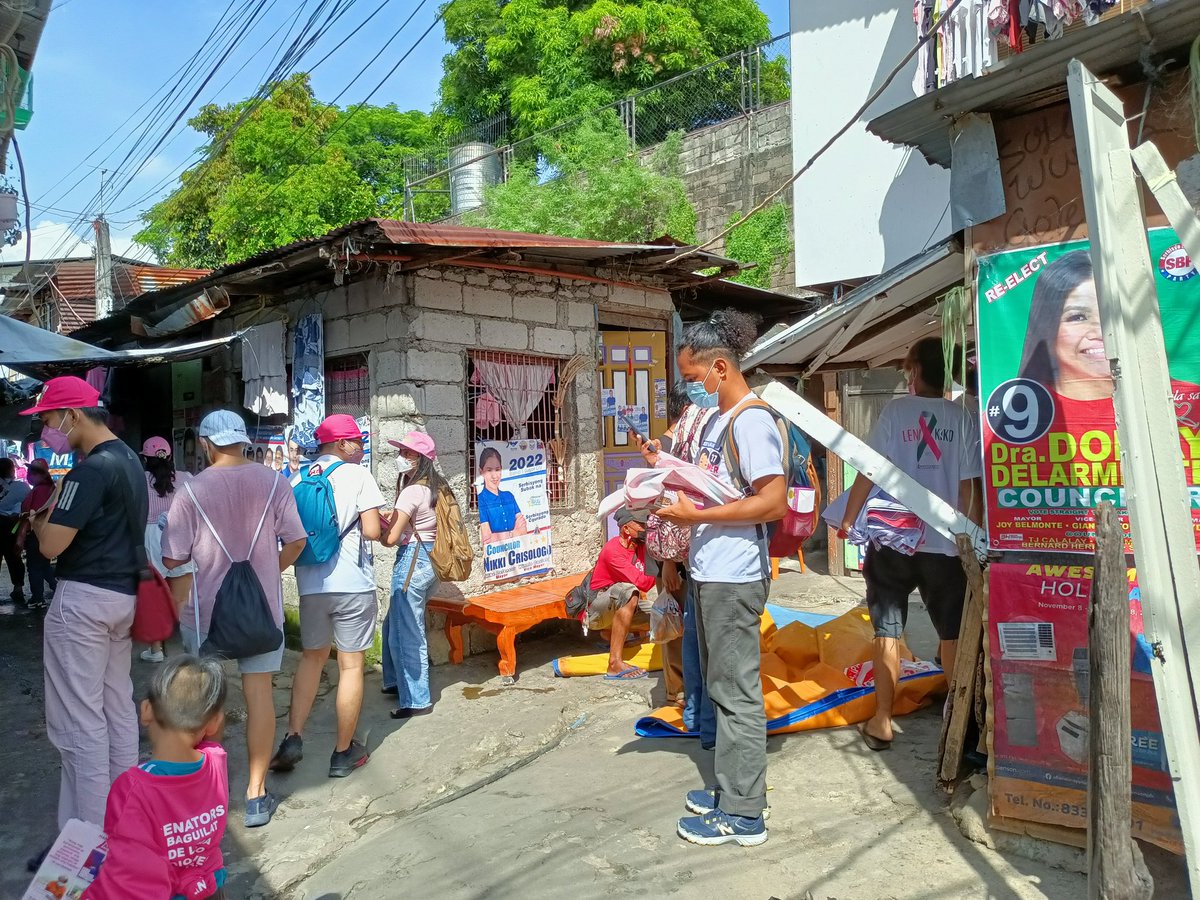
{"x":8,"y":609}
{"x":152,"y":656}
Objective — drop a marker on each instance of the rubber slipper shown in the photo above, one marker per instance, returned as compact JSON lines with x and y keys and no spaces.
{"x":875,"y":743}
{"x":626,"y":675}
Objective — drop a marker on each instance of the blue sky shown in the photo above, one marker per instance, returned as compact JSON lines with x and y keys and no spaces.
{"x":100,"y":62}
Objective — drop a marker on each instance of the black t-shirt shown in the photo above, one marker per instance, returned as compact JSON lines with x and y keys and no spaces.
{"x":97,"y":497}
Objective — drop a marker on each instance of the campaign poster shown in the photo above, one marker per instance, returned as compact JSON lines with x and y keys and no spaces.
{"x":189,"y":455}
{"x":1049,"y":428}
{"x":268,"y":447}
{"x":514,"y":509}
{"x":1037,"y":633}
{"x":71,"y":864}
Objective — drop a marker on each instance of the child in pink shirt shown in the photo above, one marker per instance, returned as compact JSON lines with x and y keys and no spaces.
{"x":165,"y":818}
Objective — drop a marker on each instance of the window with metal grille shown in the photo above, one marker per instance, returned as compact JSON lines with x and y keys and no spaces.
{"x":486,"y":420}
{"x":347,"y":386}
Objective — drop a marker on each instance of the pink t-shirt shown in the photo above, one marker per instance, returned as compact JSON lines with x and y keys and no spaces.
{"x":416,"y":501}
{"x":164,"y":832}
{"x":159,"y":505}
{"x":233,"y":498}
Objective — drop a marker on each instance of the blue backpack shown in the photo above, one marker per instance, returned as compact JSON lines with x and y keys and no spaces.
{"x":318,"y":515}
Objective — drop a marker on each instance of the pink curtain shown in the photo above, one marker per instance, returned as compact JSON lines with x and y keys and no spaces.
{"x":519,"y":387}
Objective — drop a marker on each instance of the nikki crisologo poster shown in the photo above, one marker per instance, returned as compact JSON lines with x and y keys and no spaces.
{"x":1046,"y":388}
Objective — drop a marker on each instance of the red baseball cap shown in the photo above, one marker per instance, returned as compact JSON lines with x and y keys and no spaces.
{"x":65,"y":392}
{"x":340,"y":427}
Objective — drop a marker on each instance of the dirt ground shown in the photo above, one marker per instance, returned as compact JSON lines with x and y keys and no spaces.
{"x":541,"y":789}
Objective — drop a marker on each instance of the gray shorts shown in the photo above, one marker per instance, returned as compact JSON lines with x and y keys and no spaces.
{"x":601,"y":610}
{"x":263,"y":664}
{"x":345,"y":620}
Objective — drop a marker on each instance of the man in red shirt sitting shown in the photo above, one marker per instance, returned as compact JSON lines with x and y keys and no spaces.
{"x":623,"y":590}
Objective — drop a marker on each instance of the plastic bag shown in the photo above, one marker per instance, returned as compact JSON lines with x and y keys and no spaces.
{"x":666,"y":619}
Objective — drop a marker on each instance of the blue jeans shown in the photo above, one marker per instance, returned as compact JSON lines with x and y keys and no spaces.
{"x":698,"y":712}
{"x":405,"y":642}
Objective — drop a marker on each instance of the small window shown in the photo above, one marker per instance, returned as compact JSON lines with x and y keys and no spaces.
{"x":347,"y":386}
{"x":486,"y":420}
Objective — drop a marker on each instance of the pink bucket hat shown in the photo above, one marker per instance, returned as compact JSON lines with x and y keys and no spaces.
{"x":156,"y":446}
{"x":418,"y":442}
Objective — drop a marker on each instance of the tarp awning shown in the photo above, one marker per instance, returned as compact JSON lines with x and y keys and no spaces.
{"x":871,"y":325}
{"x":39,"y":353}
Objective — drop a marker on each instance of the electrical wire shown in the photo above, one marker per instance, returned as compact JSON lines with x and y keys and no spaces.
{"x":850,"y":123}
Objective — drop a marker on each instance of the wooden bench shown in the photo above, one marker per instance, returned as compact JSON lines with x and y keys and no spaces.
{"x":505,"y":614}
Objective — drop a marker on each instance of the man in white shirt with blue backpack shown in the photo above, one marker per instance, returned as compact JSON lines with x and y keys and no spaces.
{"x":339,"y":504}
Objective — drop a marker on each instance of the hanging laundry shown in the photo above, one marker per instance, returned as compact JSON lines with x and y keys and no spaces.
{"x":264,"y":370}
{"x":487,"y":412}
{"x":308,"y":380}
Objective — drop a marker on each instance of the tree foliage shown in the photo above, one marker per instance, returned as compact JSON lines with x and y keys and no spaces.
{"x":766,"y":239}
{"x":545,"y":61}
{"x":290,"y":169}
{"x":588,"y":183}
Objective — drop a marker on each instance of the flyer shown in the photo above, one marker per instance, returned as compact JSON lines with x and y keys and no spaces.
{"x":638,"y":415}
{"x":514,"y":509}
{"x":71,"y":865}
{"x":1038,"y":641}
{"x":608,"y":402}
{"x":1049,"y":427}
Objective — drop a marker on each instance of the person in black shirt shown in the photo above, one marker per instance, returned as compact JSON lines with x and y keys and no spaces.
{"x":94,"y":527}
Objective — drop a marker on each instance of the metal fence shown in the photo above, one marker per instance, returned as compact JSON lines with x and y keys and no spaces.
{"x":728,"y":88}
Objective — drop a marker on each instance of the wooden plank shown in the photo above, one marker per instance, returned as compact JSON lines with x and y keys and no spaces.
{"x":1059,"y":834}
{"x":962,"y":681}
{"x":833,"y":471}
{"x":1115,"y":872}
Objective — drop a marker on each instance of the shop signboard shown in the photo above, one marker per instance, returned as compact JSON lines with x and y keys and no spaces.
{"x":1037,"y":632}
{"x":1049,"y":428}
{"x":514,"y":509}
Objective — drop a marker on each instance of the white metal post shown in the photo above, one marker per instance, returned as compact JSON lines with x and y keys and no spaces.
{"x":1155,"y":488}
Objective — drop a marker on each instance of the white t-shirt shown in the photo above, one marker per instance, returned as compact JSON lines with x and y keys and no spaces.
{"x":935,"y":441}
{"x":735,"y":554}
{"x":352,"y":570}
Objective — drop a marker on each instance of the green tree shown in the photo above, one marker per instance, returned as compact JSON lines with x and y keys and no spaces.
{"x":289,"y":169}
{"x":586,"y":182}
{"x":545,"y":61}
{"x":766,"y":240}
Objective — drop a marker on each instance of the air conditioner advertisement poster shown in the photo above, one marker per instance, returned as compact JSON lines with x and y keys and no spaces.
{"x":1046,"y":388}
{"x":1037,"y":629}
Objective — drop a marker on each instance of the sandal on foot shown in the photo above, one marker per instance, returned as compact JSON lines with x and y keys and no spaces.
{"x":625,"y":675}
{"x":877,"y":744}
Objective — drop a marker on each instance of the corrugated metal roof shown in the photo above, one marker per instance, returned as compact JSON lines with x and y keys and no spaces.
{"x":872,"y":324}
{"x":1038,"y":76}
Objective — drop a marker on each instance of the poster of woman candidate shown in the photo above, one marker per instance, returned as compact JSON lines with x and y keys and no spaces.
{"x":514,"y":509}
{"x":1049,"y":427}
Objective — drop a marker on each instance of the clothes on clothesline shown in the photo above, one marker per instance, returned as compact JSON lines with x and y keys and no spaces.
{"x":967,"y":41}
{"x":487,"y":412}
{"x":264,"y":370}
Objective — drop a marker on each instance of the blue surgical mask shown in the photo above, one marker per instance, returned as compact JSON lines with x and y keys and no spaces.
{"x":698,"y":394}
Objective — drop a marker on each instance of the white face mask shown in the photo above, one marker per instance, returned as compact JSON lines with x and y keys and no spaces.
{"x":404,"y":465}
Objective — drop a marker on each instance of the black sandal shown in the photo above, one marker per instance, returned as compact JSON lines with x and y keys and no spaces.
{"x":877,"y":744}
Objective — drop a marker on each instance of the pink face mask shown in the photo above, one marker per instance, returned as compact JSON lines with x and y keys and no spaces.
{"x":56,"y":440}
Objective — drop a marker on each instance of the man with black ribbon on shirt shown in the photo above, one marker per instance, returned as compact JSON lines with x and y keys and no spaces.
{"x":89,"y":526}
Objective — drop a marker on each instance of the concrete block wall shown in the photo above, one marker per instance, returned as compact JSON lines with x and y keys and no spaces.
{"x":729,"y":168}
{"x":416,"y":332}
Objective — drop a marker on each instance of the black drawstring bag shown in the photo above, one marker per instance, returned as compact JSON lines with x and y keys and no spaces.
{"x":241,"y":624}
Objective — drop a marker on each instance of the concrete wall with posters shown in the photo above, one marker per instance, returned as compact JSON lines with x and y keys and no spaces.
{"x":416,"y":330}
{"x":866,"y":206}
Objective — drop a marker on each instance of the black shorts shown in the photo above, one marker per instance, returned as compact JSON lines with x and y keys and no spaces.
{"x":891,"y":577}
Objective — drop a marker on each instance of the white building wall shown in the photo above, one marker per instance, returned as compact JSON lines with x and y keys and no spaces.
{"x":866,"y":205}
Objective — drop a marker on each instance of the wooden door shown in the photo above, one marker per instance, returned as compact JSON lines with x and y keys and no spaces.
{"x":635,"y":370}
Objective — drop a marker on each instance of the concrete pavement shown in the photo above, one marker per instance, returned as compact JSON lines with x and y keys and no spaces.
{"x":541,"y":789}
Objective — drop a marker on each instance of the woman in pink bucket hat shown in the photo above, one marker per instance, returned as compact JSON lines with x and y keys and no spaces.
{"x":412,"y":528}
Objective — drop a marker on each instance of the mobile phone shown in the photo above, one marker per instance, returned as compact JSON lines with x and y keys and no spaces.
{"x":629,"y":426}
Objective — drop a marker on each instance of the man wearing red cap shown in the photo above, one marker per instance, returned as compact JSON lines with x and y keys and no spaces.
{"x":93,"y":526}
{"x":338,"y":601}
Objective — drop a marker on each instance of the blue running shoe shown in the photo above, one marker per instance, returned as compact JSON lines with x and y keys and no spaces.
{"x":719,"y":828}
{"x":260,"y":809}
{"x":704,"y":801}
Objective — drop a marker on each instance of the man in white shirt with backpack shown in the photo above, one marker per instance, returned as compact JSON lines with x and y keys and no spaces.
{"x":339,"y":504}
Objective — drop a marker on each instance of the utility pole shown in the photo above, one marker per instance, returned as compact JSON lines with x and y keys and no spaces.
{"x":104,"y":268}
{"x":1158,"y":497}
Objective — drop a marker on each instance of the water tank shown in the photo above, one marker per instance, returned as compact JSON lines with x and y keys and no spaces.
{"x":473,"y":167}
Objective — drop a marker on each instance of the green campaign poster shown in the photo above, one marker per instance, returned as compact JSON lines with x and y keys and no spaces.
{"x":1049,"y":430}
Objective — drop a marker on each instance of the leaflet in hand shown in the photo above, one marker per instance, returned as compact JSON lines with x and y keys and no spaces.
{"x":72,"y":863}
{"x":645,"y":488}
